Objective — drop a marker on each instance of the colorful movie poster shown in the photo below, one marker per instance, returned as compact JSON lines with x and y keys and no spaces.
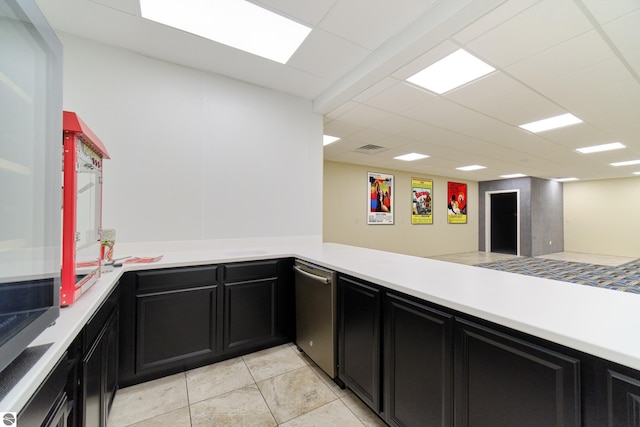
{"x":380,"y":198}
{"x":456,"y":203}
{"x":422,"y":195}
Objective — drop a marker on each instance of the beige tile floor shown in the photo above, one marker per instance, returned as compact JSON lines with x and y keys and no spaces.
{"x":274,"y":387}
{"x":477,"y":257}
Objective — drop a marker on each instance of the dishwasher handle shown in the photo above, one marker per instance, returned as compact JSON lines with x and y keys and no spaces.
{"x":312,"y":276}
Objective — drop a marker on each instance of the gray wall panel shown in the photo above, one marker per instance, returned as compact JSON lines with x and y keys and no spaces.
{"x":541,"y":218}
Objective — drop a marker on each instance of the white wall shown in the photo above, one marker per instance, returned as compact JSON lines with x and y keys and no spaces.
{"x":195,"y":155}
{"x":601,"y":217}
{"x":345,"y":214}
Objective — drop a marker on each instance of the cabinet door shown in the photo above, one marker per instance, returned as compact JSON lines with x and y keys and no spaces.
{"x":110,"y":350}
{"x":175,"y":327}
{"x":418,"y":379}
{"x":58,"y":418}
{"x":92,"y":385}
{"x":503,"y":381}
{"x":359,"y":339}
{"x":258,"y":305}
{"x":623,"y":400}
{"x":99,"y":377}
{"x":250,"y":314}
{"x":48,"y":405}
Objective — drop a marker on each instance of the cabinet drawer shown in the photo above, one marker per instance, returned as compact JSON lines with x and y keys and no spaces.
{"x":250,"y":271}
{"x":176,"y":278}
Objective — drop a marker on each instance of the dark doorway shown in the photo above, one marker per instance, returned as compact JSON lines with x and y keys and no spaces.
{"x":504,"y":223}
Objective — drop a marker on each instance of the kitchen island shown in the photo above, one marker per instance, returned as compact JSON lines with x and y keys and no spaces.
{"x":596,"y":322}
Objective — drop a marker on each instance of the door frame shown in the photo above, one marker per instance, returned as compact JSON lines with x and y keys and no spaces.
{"x":487,"y":218}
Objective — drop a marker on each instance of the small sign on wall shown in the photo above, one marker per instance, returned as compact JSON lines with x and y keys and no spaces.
{"x":379,"y":198}
{"x":456,"y":203}
{"x":422,"y":196}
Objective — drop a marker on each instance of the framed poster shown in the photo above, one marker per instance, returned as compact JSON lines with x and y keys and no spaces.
{"x":422,"y":195}
{"x":379,"y":198}
{"x":456,"y":203}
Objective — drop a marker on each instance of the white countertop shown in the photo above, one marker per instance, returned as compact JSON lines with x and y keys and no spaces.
{"x":601,"y":322}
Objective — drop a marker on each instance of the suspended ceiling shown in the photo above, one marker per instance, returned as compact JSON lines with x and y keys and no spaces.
{"x":551,"y":57}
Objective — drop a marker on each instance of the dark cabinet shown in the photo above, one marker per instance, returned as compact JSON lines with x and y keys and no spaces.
{"x":174,"y":326}
{"x":174,"y":323}
{"x":48,"y":406}
{"x":258,"y":305}
{"x":359,"y":339}
{"x":395,"y":354}
{"x":99,"y":368}
{"x":418,"y":364}
{"x":504,"y":381}
{"x":177,"y":319}
{"x":250,"y":313}
{"x":91,"y":380}
{"x":434,"y":367}
{"x":611,"y":394}
{"x":623,"y":399}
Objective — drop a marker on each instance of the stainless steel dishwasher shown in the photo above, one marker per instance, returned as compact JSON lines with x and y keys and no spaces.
{"x":316,"y":314}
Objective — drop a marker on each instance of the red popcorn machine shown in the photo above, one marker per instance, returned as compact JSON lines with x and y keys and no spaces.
{"x":83,"y":154}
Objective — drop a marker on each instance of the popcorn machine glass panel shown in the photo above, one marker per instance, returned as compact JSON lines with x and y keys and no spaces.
{"x":88,"y":213}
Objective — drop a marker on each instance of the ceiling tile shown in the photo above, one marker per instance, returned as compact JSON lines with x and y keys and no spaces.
{"x":347,"y":20}
{"x":576,"y":136}
{"x":399,"y":125}
{"x":341,"y":110}
{"x":399,"y":98}
{"x":309,"y":12}
{"x":365,"y":116}
{"x":633,"y":59}
{"x":521,"y":36}
{"x":419,"y":131}
{"x":327,"y":56}
{"x":625,"y":32}
{"x":341,"y":129}
{"x":375,"y":89}
{"x":94,"y":21}
{"x":396,"y":142}
{"x":368,"y":136}
{"x":607,"y":86}
{"x":493,"y":86}
{"x":563,"y":59}
{"x":491,"y":20}
{"x":605,"y":11}
{"x":521,"y":107}
{"x":128,"y":6}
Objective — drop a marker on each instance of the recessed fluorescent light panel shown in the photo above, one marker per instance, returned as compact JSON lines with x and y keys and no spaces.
{"x":551,"y":123}
{"x":471,"y":168}
{"x":235,"y":23}
{"x":451,"y":72}
{"x":627,"y":163}
{"x":328,"y":139}
{"x":513,"y":175}
{"x":599,"y":148}
{"x":565,"y":179}
{"x":411,"y":157}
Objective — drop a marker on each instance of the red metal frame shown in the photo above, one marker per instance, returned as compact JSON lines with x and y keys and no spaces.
{"x":73,"y":129}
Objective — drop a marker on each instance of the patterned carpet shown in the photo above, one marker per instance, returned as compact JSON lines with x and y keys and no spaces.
{"x":625,"y":278}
